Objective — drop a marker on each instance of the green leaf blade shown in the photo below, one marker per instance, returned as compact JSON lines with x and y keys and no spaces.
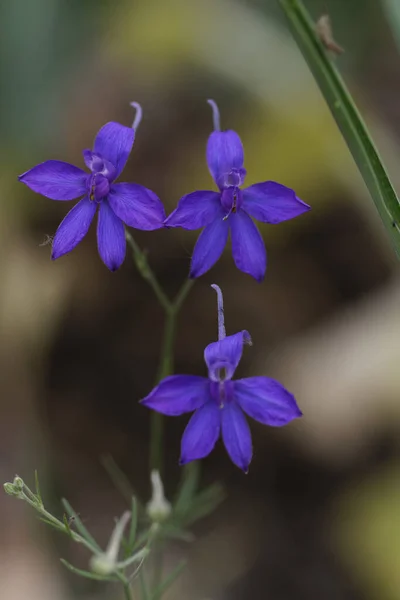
{"x":347,"y":118}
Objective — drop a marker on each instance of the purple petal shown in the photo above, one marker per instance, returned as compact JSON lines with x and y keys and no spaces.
{"x":248,"y":247}
{"x":236,"y":435}
{"x":272,"y":202}
{"x":196,"y":210}
{"x":201,"y":433}
{"x":209,"y":247}
{"x":224,"y":153}
{"x":137,"y":206}
{"x":266,"y":401}
{"x":73,"y":228}
{"x":114,"y":142}
{"x":225,"y":354}
{"x":178,"y":394}
{"x":110,"y":237}
{"x":56,"y":180}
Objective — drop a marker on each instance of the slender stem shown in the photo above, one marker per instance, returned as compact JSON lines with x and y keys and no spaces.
{"x":127,"y":591}
{"x":181,"y":295}
{"x":143,"y":266}
{"x":171,"y":310}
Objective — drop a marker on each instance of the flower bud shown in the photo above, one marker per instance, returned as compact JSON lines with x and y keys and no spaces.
{"x":158,"y":509}
{"x":10,"y":489}
{"x":18,"y":483}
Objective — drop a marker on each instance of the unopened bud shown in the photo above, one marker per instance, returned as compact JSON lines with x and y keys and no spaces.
{"x":102,"y":564}
{"x":158,"y":509}
{"x":10,"y":489}
{"x":18,"y":483}
{"x":107,"y":562}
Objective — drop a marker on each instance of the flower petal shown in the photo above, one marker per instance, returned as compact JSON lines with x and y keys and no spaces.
{"x":73,"y":228}
{"x":224,"y":153}
{"x":137,"y":206}
{"x":236,"y":435}
{"x":266,"y":400}
{"x":225,"y":354}
{"x":56,"y":180}
{"x":248,"y":247}
{"x":272,"y":202}
{"x":209,"y":247}
{"x":114,"y":142}
{"x":201,"y":433}
{"x":110,"y":237}
{"x":196,"y":210}
{"x":178,"y":394}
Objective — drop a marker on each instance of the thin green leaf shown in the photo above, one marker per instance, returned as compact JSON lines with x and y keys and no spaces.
{"x":80,"y":526}
{"x":67,"y":527}
{"x":347,"y":117}
{"x":37,"y":488}
{"x":133,"y":527}
{"x":52,"y":524}
{"x":392,"y":9}
{"x":144,"y":588}
{"x":190,"y":483}
{"x":166,"y":584}
{"x":87,"y":574}
{"x":119,"y":479}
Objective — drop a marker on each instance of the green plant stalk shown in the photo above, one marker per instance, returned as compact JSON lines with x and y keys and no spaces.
{"x":171,"y":310}
{"x":347,"y":118}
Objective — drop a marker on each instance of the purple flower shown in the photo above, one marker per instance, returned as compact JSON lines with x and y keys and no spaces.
{"x":232,"y":208}
{"x":118,"y":203}
{"x":220,"y":403}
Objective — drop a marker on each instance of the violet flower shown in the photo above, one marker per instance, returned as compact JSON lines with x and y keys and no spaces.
{"x":232,"y":208}
{"x":118,"y":203}
{"x":220,"y":403}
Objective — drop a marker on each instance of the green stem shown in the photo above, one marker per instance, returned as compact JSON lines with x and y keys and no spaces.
{"x":165,"y":369}
{"x":347,"y":117}
{"x":171,"y":310}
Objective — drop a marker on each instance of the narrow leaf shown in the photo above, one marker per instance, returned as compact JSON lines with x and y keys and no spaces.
{"x":166,"y":584}
{"x":190,"y":483}
{"x":347,"y":117}
{"x":37,"y":488}
{"x":67,"y":527}
{"x":133,"y":527}
{"x":80,"y":526}
{"x":87,"y":574}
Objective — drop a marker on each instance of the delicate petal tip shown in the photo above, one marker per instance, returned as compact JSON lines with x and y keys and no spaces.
{"x":266,"y":400}
{"x":178,"y":394}
{"x":209,"y":247}
{"x":137,"y":206}
{"x":272,"y":202}
{"x":111,"y":240}
{"x":73,"y":228}
{"x":248,"y":246}
{"x":196,"y":210}
{"x":114,"y":142}
{"x":201,"y":433}
{"x":224,"y":153}
{"x":56,"y":180}
{"x":236,"y":436}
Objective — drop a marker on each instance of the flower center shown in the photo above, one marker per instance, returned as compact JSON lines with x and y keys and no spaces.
{"x":98,"y":186}
{"x":221,"y":392}
{"x":231,"y":199}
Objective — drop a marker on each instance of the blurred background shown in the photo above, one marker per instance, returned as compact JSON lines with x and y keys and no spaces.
{"x":318,"y":516}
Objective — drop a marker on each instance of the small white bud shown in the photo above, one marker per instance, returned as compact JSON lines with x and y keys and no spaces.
{"x":18,"y":483}
{"x":107,"y":562}
{"x":158,"y":509}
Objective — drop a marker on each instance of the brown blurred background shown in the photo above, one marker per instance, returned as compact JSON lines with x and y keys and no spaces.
{"x":318,"y":516}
